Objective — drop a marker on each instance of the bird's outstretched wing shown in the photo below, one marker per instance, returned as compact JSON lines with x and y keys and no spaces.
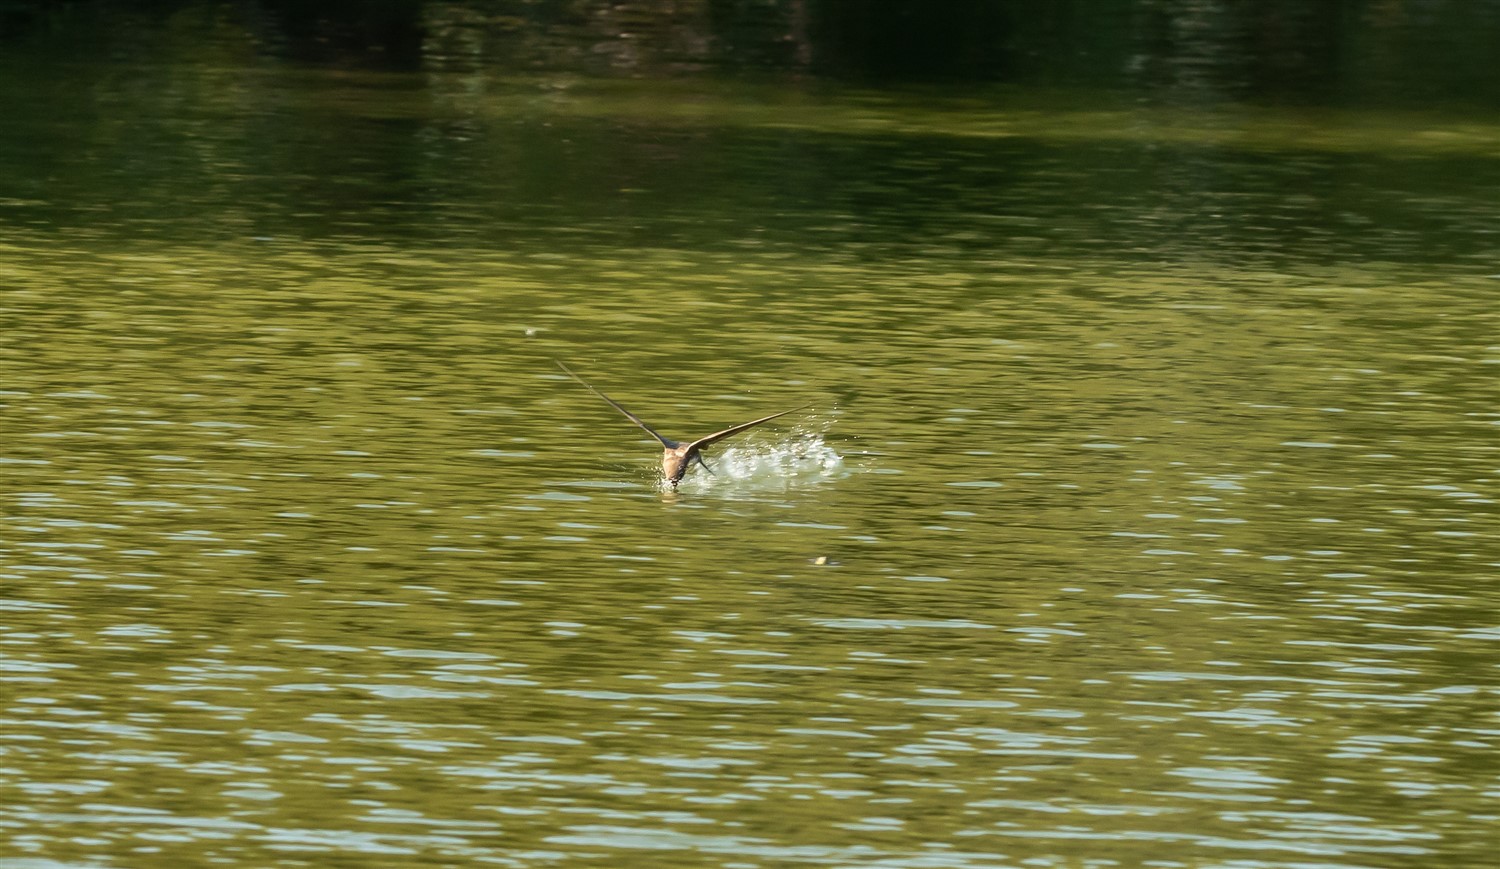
{"x":717,"y":436}
{"x":669,"y":444}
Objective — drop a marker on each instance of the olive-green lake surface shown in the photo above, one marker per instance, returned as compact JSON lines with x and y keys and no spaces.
{"x":1144,"y":515}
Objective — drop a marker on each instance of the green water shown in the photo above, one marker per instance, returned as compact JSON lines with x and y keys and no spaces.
{"x":1144,"y":515}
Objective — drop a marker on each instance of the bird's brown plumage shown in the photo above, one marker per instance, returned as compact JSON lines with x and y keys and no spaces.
{"x":677,"y":456}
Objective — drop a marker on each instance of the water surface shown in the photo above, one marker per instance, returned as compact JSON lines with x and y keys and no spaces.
{"x":1144,"y":515}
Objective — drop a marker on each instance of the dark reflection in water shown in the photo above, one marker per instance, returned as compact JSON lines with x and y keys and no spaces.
{"x":536,"y":183}
{"x":1146,"y":511}
{"x":1178,"y":52}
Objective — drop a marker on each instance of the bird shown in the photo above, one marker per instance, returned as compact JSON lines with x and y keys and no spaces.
{"x":676,"y":456}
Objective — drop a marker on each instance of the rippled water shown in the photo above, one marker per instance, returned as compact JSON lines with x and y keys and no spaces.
{"x":1144,"y":515}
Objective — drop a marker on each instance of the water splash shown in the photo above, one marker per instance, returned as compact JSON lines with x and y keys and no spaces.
{"x":798,"y":460}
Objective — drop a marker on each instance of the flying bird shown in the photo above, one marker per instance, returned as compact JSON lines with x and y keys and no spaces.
{"x":677,"y":456}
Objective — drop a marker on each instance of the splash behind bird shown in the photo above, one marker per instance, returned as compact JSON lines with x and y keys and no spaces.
{"x":676,"y":456}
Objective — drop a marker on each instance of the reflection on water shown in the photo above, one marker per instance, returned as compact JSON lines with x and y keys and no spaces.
{"x":1145,"y":512}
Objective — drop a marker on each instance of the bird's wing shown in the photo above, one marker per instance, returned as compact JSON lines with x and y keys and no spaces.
{"x":669,"y":444}
{"x":717,"y":436}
